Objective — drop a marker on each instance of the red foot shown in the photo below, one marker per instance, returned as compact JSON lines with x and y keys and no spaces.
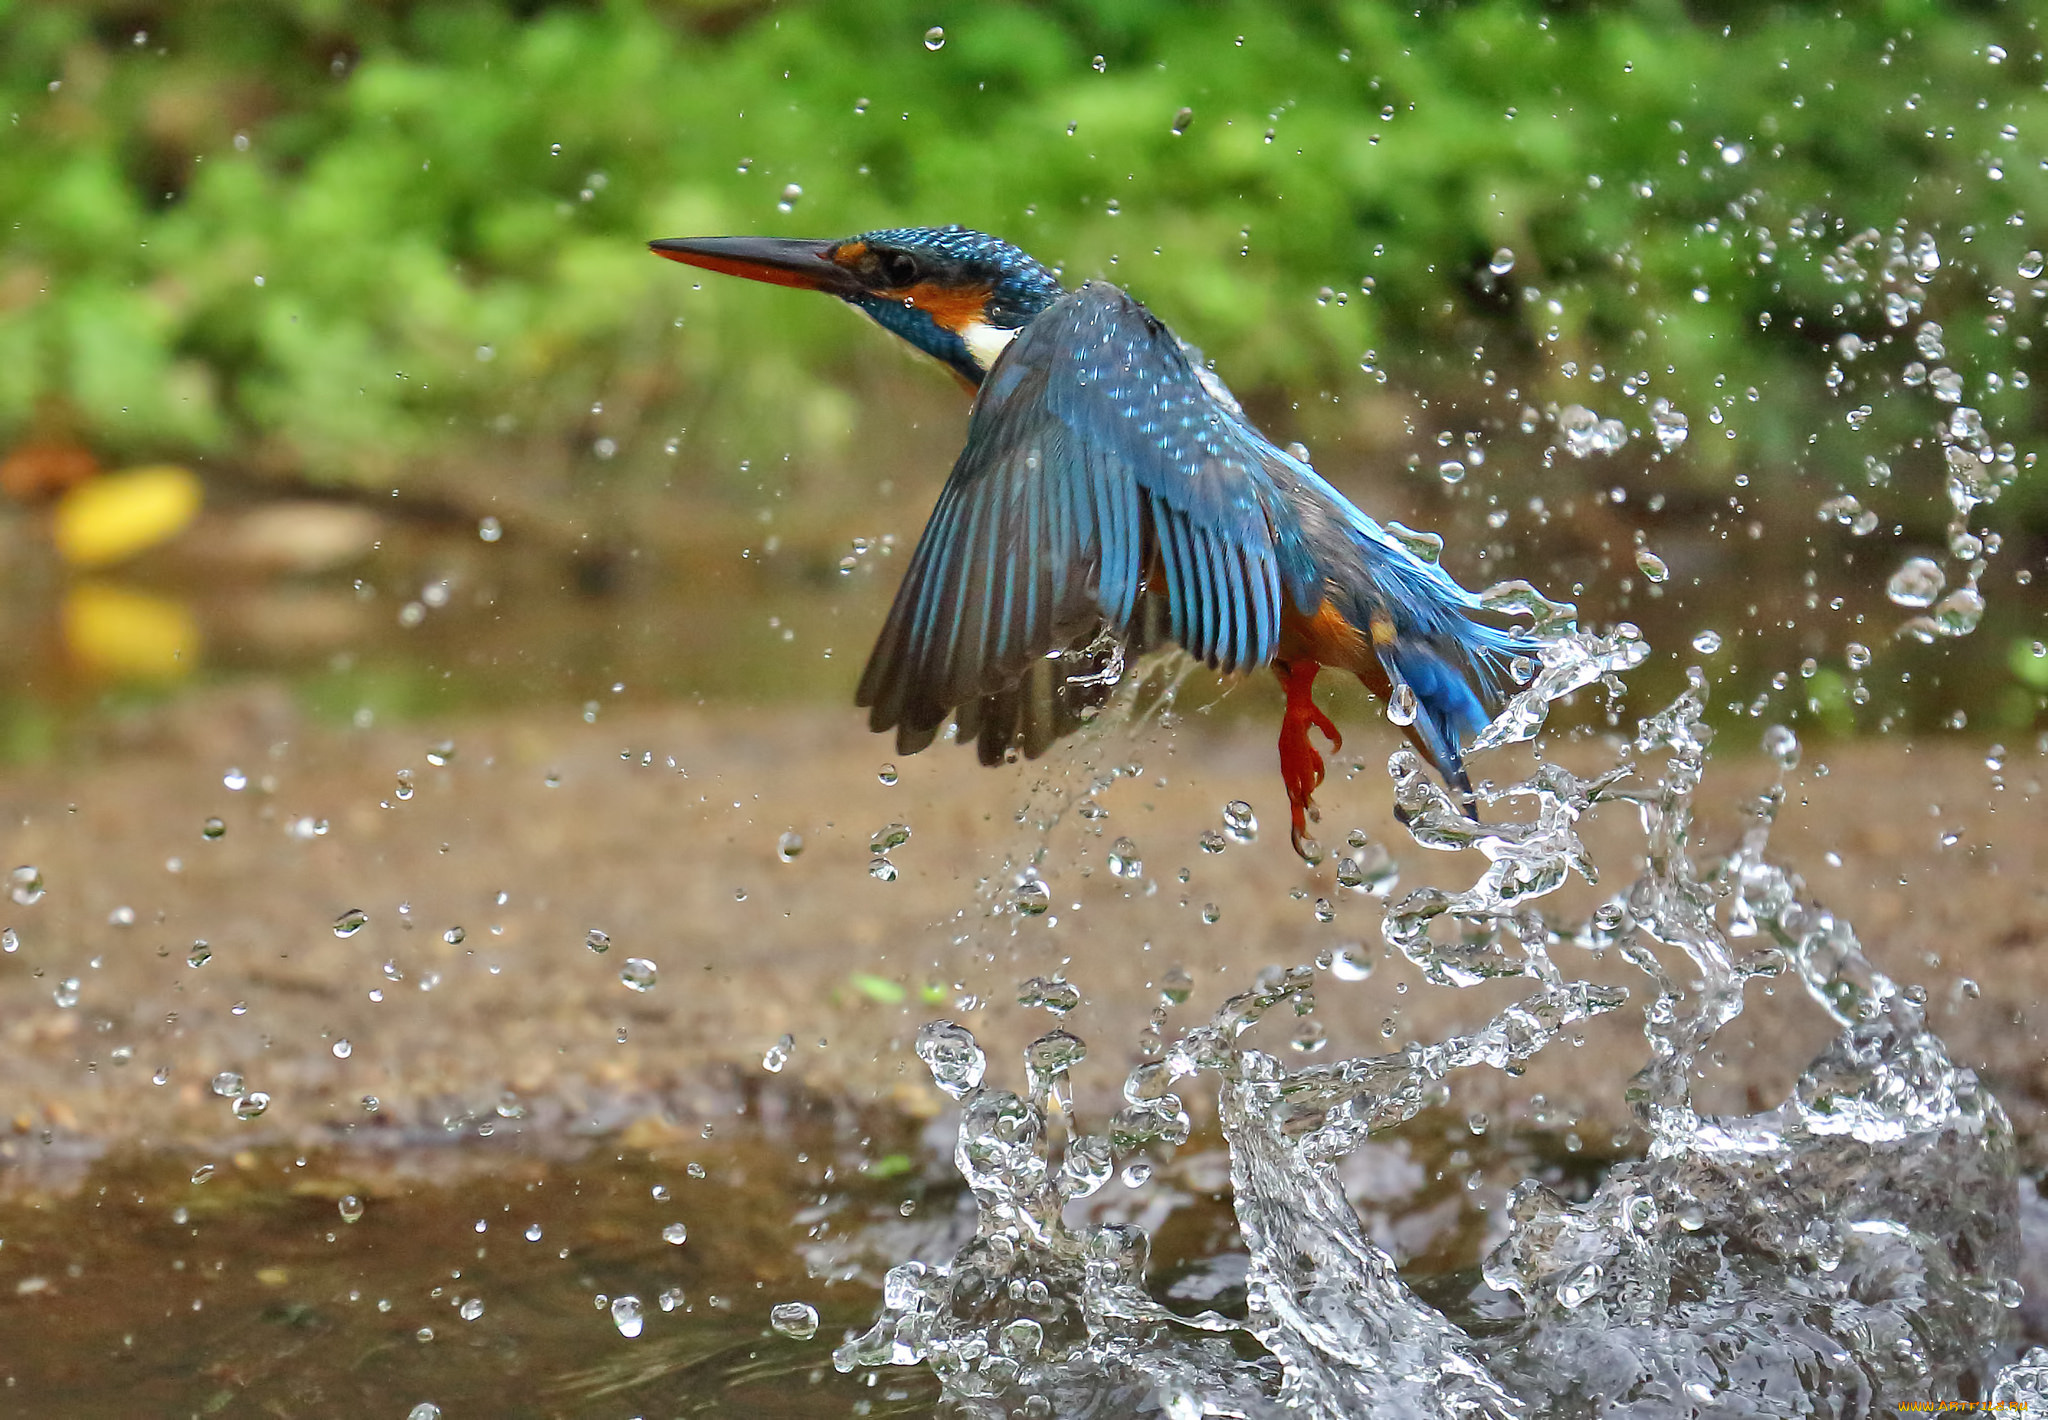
{"x":1301,"y":764}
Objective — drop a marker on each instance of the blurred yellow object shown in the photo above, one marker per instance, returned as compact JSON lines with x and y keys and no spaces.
{"x":111,"y":518}
{"x":128,"y":635}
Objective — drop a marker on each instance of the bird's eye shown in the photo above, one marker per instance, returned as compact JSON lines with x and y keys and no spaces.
{"x":900,"y":268}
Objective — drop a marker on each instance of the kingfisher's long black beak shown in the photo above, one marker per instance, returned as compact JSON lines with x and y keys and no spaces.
{"x":779,"y":261}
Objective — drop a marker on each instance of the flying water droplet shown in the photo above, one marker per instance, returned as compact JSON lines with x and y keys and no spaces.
{"x":1181,"y":121}
{"x":1669,"y":425}
{"x":626,"y":1315}
{"x":25,"y":886}
{"x":251,"y":1105}
{"x":212,"y":829}
{"x":1031,"y":898}
{"x":1124,"y":861}
{"x":1351,"y":962}
{"x":351,"y":1208}
{"x":797,"y":1320}
{"x":890,"y":836}
{"x":200,"y":954}
{"x":950,"y":1053}
{"x":1052,"y":994}
{"x":66,"y":994}
{"x":350,"y":922}
{"x":789,"y":846}
{"x":598,"y":940}
{"x":1240,"y":822}
{"x":1918,"y":582}
{"x":935,"y":37}
{"x":1401,"y":707}
{"x":881,"y":870}
{"x":1707,"y":642}
{"x":886,"y":776}
{"x":791,"y":195}
{"x":227,"y":1084}
{"x":777,"y":1055}
{"x":1651,"y":565}
{"x":1503,"y":262}
{"x":639,"y":974}
{"x":342,"y":1049}
{"x":675,"y":1234}
{"x":1783,"y":746}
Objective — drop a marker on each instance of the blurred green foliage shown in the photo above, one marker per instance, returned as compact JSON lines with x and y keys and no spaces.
{"x":400,"y":244}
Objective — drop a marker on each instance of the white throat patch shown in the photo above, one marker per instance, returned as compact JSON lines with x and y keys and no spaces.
{"x":985,"y":342}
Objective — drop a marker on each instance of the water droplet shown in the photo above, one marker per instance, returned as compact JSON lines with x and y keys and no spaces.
{"x":935,"y":37}
{"x":1181,"y":121}
{"x":881,"y":870}
{"x":1503,"y":262}
{"x":1401,"y":706}
{"x":626,"y":1316}
{"x":1451,"y":470}
{"x":1309,"y":1036}
{"x":66,"y":994}
{"x":777,"y":1054}
{"x":1958,"y":613}
{"x":1351,"y":962}
{"x":950,"y":1053}
{"x":25,"y":886}
{"x":1918,"y":582}
{"x":1651,"y":565}
{"x":489,"y":528}
{"x":1124,"y":861}
{"x":1100,"y":63}
{"x":890,"y":836}
{"x":10,"y":941}
{"x":1054,"y":995}
{"x":471,"y":1308}
{"x":797,"y":1320}
{"x":598,"y":940}
{"x":791,"y":195}
{"x":351,"y":1208}
{"x":1669,"y":425}
{"x":251,"y":1105}
{"x":1240,"y":822}
{"x":639,"y":974}
{"x":350,"y":922}
{"x":426,"y":1409}
{"x":1706,"y":642}
{"x":211,"y":829}
{"x":789,"y":846}
{"x":1031,"y":898}
{"x":202,"y":1173}
{"x":675,"y":1234}
{"x":235,"y":780}
{"x":200,"y":954}
{"x":1782,"y":745}
{"x":1211,"y":913}
{"x":886,"y":776}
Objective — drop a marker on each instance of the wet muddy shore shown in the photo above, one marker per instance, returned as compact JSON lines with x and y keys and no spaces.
{"x":470,"y":1000}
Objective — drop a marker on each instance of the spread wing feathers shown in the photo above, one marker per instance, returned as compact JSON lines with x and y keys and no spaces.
{"x":1101,"y":485}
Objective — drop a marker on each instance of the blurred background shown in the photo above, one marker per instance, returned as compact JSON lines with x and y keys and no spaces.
{"x":361,"y":288}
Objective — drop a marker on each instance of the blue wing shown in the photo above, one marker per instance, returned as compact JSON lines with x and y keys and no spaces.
{"x":1103,"y":489}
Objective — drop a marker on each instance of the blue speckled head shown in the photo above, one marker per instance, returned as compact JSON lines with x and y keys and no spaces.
{"x":956,"y":294}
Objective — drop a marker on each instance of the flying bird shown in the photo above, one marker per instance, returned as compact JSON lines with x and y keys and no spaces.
{"x":1113,"y":496}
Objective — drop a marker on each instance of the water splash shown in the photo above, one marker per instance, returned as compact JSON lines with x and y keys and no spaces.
{"x":1780,"y":1263}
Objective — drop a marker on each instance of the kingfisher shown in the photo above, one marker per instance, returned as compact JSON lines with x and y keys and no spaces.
{"x":1112,"y":496}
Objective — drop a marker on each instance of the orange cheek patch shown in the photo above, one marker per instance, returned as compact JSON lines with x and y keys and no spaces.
{"x":953,"y":307}
{"x":850,"y":254}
